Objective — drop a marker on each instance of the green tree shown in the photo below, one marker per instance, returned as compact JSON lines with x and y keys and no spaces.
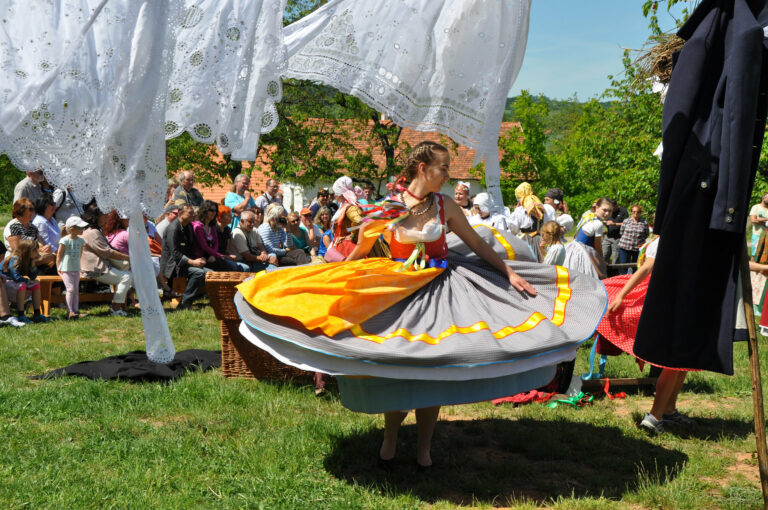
{"x":9,"y":176}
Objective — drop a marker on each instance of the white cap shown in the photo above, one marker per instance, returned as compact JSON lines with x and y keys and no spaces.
{"x":75,"y":221}
{"x":565,"y":221}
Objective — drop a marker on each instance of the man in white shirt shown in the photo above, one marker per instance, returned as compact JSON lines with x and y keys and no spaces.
{"x":269,"y":196}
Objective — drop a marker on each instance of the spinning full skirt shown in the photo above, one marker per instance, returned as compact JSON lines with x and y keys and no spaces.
{"x":421,"y":338}
{"x":584,"y":259}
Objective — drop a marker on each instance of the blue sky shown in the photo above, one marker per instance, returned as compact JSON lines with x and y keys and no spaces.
{"x":573,"y":45}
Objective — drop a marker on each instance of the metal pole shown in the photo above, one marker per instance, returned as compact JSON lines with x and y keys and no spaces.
{"x":757,"y":387}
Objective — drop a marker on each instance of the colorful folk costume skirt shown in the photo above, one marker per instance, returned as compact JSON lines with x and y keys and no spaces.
{"x":619,"y":329}
{"x":448,"y":329}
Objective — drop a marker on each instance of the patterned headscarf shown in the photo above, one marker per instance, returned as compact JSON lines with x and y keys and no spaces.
{"x":465,"y":185}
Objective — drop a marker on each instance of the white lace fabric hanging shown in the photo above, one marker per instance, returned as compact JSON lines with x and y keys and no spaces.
{"x":228,"y":58}
{"x":442,"y":65}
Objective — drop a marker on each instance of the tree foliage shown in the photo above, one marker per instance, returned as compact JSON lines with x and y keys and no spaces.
{"x":9,"y":176}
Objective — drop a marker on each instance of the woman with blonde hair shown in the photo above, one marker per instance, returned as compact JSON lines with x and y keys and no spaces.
{"x":551,"y":247}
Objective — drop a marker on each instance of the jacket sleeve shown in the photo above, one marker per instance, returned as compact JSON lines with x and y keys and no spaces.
{"x":176,"y":238}
{"x":736,"y":165}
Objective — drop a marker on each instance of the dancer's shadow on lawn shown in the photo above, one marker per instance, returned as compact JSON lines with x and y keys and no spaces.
{"x":498,"y":461}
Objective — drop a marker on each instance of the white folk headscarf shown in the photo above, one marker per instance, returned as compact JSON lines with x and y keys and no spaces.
{"x":484,"y":202}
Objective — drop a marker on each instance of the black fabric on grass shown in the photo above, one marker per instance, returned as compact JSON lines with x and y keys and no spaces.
{"x":135,"y":366}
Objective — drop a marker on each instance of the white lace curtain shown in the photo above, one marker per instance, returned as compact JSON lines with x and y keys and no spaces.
{"x":90,"y":89}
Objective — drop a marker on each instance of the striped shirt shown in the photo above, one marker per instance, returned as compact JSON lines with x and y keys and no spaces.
{"x":275,"y":241}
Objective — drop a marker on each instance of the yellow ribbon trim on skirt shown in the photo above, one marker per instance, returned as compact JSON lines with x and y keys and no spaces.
{"x":500,"y":238}
{"x":334,"y":297}
{"x":558,"y":317}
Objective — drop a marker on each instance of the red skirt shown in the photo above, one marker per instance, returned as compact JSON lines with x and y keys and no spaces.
{"x":620,"y":328}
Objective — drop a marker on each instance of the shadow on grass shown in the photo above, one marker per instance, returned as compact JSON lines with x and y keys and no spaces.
{"x":699,"y":385}
{"x":495,"y":461}
{"x":707,"y":429}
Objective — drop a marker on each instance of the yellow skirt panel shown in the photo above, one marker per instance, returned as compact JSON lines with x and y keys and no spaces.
{"x":334,"y":297}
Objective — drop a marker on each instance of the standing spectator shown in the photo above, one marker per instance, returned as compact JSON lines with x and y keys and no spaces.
{"x":461,"y":196}
{"x":276,"y":241}
{"x":21,"y":227}
{"x":186,"y":193}
{"x":177,"y":259}
{"x":270,"y":196}
{"x":611,"y":238}
{"x":70,"y":206}
{"x":98,"y":258}
{"x":68,"y":263}
{"x":206,"y":239}
{"x":554,"y":197}
{"x":634,"y":232}
{"x":551,"y":247}
{"x":224,"y":231}
{"x":29,"y":187}
{"x":170,"y":214}
{"x":47,"y":226}
{"x":758,"y":217}
{"x":21,"y":273}
{"x":368,"y":193}
{"x":321,"y":201}
{"x":239,"y":199}
{"x":247,"y":245}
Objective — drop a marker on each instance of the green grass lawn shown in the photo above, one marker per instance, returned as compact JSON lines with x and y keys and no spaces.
{"x":209,"y":442}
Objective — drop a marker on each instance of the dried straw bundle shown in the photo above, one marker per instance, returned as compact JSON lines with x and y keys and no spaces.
{"x":656,"y":60}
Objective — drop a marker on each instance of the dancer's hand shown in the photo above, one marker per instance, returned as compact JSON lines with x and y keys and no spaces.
{"x":520,"y":283}
{"x":615,"y":304}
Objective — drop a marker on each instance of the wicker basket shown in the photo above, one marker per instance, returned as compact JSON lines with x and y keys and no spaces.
{"x":239,"y":357}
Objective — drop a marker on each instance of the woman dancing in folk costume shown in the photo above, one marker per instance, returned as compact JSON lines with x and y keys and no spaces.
{"x":424,"y":328}
{"x":461,"y":196}
{"x":619,"y":327}
{"x":584,"y":253}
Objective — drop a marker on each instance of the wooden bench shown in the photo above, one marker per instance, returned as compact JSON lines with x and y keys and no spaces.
{"x":52,"y":295}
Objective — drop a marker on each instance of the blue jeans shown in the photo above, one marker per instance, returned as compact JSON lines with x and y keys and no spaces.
{"x":626,"y":257}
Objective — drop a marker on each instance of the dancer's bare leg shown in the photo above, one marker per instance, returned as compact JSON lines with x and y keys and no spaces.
{"x":426,"y":419}
{"x":672,"y":405}
{"x":667,"y":387}
{"x":392,"y":421}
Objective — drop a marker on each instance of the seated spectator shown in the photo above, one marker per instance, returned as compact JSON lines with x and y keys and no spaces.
{"x":239,"y":199}
{"x":115,"y":229}
{"x":314,"y":232}
{"x":223,"y":222}
{"x":20,"y":272}
{"x":177,"y":259}
{"x":300,"y":236}
{"x":247,"y":246}
{"x":277,"y":241}
{"x":258,"y":215}
{"x":6,"y":319}
{"x":29,"y":187}
{"x":323,"y":222}
{"x":21,"y":227}
{"x":46,"y":225}
{"x":169,"y":214}
{"x":206,"y":239}
{"x":186,"y":193}
{"x":98,"y":259}
{"x":170,"y":191}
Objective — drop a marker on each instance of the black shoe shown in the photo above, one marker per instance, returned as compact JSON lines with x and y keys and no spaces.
{"x":386,"y":465}
{"x":184,"y":306}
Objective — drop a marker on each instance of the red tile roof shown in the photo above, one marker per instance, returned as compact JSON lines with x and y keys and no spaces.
{"x":461,"y":157}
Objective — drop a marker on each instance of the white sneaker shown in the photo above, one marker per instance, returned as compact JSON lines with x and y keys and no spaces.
{"x":117,"y":313}
{"x":652,"y":425}
{"x":13,"y":321}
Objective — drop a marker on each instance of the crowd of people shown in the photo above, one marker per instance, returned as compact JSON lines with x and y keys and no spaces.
{"x":249,"y":232}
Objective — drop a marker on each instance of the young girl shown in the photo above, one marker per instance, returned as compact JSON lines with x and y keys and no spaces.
{"x":551,"y":247}
{"x":68,"y":263}
{"x":584,"y":253}
{"x":21,"y":272}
